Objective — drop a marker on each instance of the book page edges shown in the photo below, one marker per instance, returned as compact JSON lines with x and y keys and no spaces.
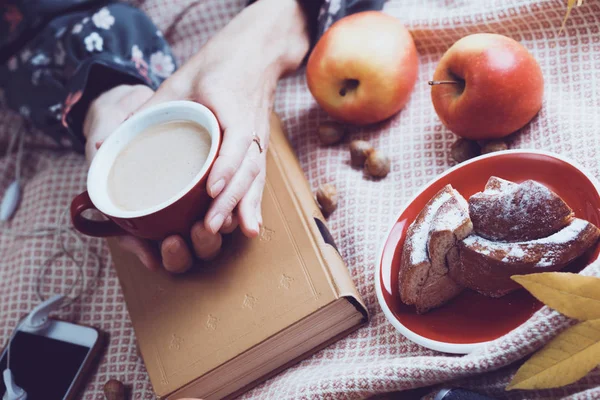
{"x":296,"y":360}
{"x":194,"y":389}
{"x":335,"y":268}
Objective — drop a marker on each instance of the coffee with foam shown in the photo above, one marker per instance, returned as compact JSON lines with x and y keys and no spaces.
{"x":158,"y":164}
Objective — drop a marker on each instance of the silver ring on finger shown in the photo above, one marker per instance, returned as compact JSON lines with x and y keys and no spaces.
{"x":256,"y":140}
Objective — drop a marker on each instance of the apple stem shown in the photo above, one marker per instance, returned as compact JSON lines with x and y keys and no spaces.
{"x":432,"y":83}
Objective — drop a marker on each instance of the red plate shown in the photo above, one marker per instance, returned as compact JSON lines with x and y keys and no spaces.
{"x":471,"y":319}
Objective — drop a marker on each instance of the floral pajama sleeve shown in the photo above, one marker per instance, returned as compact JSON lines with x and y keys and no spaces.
{"x":58,"y":56}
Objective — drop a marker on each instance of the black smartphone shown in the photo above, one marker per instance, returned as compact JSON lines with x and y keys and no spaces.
{"x":52,"y":363}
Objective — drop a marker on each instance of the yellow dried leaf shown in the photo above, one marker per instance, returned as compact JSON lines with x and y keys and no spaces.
{"x":570,"y":5}
{"x":566,"y":359}
{"x":573,"y":295}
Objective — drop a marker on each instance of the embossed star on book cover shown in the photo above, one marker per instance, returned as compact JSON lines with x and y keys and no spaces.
{"x":261,"y":306}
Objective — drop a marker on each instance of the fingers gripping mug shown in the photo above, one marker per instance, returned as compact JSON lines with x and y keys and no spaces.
{"x":149,"y":177}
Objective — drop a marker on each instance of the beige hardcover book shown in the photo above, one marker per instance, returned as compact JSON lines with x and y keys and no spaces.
{"x":263,"y":305}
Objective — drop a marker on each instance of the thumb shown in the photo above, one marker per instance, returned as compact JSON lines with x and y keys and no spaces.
{"x":107,"y":112}
{"x":165,"y":92}
{"x":99,"y":130}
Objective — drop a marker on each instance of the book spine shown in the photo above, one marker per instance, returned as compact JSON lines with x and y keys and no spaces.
{"x":333,"y":263}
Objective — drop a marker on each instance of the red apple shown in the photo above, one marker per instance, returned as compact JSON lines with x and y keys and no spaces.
{"x":487,"y":86}
{"x":363,"y":68}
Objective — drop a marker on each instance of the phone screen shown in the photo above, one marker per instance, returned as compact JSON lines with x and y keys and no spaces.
{"x":44,"y":367}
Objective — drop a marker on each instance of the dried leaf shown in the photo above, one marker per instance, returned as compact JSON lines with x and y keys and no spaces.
{"x":573,"y":295}
{"x":566,"y":359}
{"x":570,"y":5}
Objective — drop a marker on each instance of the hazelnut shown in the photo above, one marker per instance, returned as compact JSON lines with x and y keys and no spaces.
{"x":464,"y":149}
{"x":494,"y":145}
{"x":359,"y":151}
{"x":331,"y":133}
{"x":377,"y":164}
{"x":114,"y":390}
{"x":327,"y":198}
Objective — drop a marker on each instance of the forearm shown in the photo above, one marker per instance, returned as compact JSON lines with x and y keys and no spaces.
{"x":268,"y":38}
{"x":283,"y":32}
{"x":80,"y":51}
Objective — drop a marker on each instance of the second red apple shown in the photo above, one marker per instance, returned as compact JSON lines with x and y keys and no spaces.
{"x":487,"y":86}
{"x":363,"y":68}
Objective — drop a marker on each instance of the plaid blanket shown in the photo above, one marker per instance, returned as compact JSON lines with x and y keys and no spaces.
{"x":376,"y":359}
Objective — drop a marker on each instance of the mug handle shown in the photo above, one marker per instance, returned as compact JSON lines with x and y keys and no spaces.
{"x":88,"y":227}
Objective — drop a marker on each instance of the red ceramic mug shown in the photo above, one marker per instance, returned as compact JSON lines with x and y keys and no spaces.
{"x":175,"y":215}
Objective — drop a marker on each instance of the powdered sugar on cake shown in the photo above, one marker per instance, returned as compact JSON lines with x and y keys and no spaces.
{"x":524,"y":251}
{"x":569,"y":233}
{"x":461,"y":200}
{"x":515,"y":210}
{"x":497,"y":185}
{"x":507,"y":211}
{"x":452,"y":218}
{"x":514,"y":253}
{"x":418,"y":241}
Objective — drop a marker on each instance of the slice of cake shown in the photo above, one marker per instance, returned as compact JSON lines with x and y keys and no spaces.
{"x":486,"y":265}
{"x":424,"y":280}
{"x":506,"y":211}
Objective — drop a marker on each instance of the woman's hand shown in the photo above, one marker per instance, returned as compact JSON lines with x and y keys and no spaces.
{"x":235,"y":75}
{"x":108,"y":111}
{"x":103,"y":117}
{"x":241,"y":97}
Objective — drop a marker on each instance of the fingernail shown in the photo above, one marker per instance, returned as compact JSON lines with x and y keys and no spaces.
{"x":217,"y":188}
{"x":199,"y":233}
{"x":259,"y":217}
{"x":216,"y":222}
{"x":173,"y":247}
{"x":254,"y":227}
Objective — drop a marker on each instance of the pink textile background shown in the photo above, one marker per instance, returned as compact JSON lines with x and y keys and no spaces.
{"x":376,"y":359}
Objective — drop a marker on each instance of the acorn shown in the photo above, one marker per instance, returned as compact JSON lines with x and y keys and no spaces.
{"x":359,"y":151}
{"x":114,"y":390}
{"x":377,"y":164}
{"x":464,"y":149}
{"x":331,"y":133}
{"x":327,"y":198}
{"x":494,"y":145}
